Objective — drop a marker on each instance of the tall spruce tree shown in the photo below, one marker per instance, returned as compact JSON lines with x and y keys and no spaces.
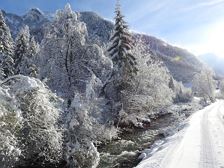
{"x":33,"y":48}
{"x":21,"y":48}
{"x":120,"y":48}
{"x":124,"y":62}
{"x":6,"y":49}
{"x":28,"y":65}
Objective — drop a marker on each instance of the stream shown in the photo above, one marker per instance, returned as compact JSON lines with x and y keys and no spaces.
{"x":123,"y":153}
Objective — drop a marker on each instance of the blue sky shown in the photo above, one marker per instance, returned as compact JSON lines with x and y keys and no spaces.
{"x":197,"y":25}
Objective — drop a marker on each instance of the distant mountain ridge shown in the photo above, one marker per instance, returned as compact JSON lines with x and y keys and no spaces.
{"x":182,"y":64}
{"x":34,"y":18}
{"x":214,"y":62}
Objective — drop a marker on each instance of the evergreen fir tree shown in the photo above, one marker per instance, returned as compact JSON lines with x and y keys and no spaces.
{"x":121,"y":46}
{"x":33,"y":48}
{"x":124,"y":62}
{"x":30,"y":68}
{"x":21,"y":48}
{"x":6,"y":49}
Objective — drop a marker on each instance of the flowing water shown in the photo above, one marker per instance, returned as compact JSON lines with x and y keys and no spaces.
{"x":123,"y":153}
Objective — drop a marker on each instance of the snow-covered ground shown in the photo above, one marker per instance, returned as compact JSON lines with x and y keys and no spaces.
{"x":199,"y":145}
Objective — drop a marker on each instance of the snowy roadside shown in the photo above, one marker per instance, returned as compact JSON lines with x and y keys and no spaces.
{"x":160,"y":146}
{"x":198,"y":144}
{"x":181,"y":113}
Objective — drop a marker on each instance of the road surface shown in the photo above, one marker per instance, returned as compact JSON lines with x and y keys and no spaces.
{"x":199,"y":145}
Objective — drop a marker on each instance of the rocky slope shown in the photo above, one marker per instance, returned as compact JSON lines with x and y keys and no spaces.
{"x":182,"y":64}
{"x":34,"y":18}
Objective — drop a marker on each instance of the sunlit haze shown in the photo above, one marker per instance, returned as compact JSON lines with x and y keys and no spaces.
{"x":212,"y":40}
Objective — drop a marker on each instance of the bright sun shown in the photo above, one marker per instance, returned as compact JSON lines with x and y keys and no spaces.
{"x":215,"y":39}
{"x":211,"y":40}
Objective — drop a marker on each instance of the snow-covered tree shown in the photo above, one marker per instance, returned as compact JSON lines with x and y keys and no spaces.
{"x":120,"y":51}
{"x":38,"y":137}
{"x":182,"y":94}
{"x":149,"y":90}
{"x":28,"y":63}
{"x":26,"y":49}
{"x":33,"y":48}
{"x":153,"y":78}
{"x":80,"y":150}
{"x":119,"y":82}
{"x":67,"y":61}
{"x":204,"y":85}
{"x":120,"y":48}
{"x":6,"y":49}
{"x":221,"y":86}
{"x":86,"y":125}
{"x":40,"y":110}
{"x":10,"y":124}
{"x":21,"y":48}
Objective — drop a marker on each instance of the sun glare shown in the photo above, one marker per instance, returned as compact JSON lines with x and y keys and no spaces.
{"x":212,"y":41}
{"x":215,"y":39}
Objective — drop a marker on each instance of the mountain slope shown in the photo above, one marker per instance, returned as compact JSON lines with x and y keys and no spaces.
{"x":34,"y":18}
{"x":182,"y":64}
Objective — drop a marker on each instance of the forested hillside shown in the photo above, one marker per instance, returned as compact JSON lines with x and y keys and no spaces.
{"x":181,"y":64}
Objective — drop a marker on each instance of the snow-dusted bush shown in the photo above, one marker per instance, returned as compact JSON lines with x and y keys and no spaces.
{"x":40,"y":133}
{"x":151,"y":86}
{"x":149,"y":89}
{"x":85,"y":125}
{"x":39,"y":136}
{"x":10,"y":125}
{"x":182,"y":94}
{"x":204,"y":85}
